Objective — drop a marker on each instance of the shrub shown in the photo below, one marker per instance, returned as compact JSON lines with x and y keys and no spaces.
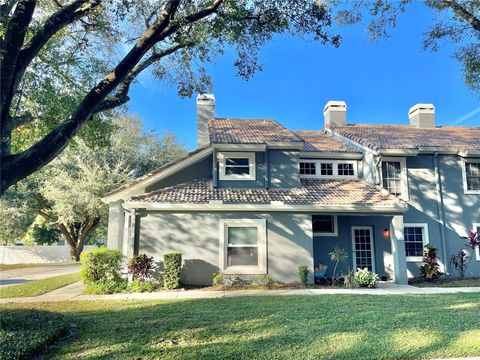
{"x":365,"y":278}
{"x":25,"y":333}
{"x":235,"y":281}
{"x":141,"y":267}
{"x":101,"y":271}
{"x":172,"y":265}
{"x":267,"y":281}
{"x":303,"y":274}
{"x":137,"y":285}
{"x":430,"y":270}
{"x":218,"y":280}
{"x":460,"y":262}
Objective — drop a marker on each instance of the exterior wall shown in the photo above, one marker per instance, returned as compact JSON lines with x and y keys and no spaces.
{"x":323,"y":245}
{"x":196,"y":236}
{"x":36,"y":254}
{"x":200,"y":170}
{"x":284,"y":168}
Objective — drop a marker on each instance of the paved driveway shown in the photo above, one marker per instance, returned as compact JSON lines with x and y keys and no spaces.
{"x":18,"y":276}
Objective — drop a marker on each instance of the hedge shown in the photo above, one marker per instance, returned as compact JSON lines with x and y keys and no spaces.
{"x":172,"y":265}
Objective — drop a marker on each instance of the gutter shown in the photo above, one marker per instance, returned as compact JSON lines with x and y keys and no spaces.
{"x":441,"y":211}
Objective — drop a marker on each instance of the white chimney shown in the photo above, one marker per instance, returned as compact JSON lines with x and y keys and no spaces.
{"x":335,"y":114}
{"x":422,"y":116}
{"x":205,"y":111}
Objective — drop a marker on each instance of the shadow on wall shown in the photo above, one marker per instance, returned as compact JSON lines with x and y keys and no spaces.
{"x":197,"y":271}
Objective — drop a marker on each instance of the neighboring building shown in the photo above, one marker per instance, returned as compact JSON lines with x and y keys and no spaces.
{"x":256,"y":198}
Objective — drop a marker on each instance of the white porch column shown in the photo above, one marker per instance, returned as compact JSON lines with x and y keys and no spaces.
{"x":398,"y":250}
{"x":116,"y":221}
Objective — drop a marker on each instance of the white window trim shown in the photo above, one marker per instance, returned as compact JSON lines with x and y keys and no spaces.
{"x":334,"y":163}
{"x":261,"y":225}
{"x":426,"y":239}
{"x":372,"y":249}
{"x":403,"y":175}
{"x":476,"y":226}
{"x":222,"y":158}
{"x":335,"y":227}
{"x":464,"y":176}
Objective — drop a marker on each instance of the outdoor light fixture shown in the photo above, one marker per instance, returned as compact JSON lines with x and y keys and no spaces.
{"x":386,"y":232}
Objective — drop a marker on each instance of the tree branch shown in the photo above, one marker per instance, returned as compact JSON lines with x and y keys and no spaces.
{"x":464,"y":14}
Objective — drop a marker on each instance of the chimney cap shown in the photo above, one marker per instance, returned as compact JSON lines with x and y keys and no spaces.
{"x":205,"y":98}
{"x":423,"y":108}
{"x":336,"y":105}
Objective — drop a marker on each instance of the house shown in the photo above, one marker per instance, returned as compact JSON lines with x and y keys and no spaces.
{"x":256,"y":198}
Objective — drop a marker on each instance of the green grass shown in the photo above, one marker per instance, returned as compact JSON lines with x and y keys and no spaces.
{"x":4,"y":267}
{"x":453,"y":282}
{"x":275,"y":327}
{"x":24,"y":333}
{"x":38,"y":287}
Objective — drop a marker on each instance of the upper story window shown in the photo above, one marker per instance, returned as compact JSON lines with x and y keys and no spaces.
{"x":394,"y":176}
{"x":311,"y":169}
{"x":471,"y":176}
{"x":237,"y":166}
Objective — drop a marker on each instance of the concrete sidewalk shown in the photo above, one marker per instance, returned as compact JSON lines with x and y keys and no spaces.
{"x":74,"y":292}
{"x":18,"y":276}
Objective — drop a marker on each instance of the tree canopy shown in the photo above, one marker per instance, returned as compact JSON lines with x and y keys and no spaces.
{"x":65,"y":63}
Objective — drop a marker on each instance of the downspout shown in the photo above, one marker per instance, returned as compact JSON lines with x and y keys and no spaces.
{"x":441,"y":210}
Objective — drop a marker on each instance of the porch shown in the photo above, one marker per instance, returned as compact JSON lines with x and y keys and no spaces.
{"x":374,"y":242}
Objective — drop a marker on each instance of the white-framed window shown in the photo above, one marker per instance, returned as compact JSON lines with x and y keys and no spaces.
{"x":237,"y":165}
{"x":471,"y":176}
{"x":243,"y":246}
{"x":476,"y":227}
{"x":363,"y":249}
{"x":327,"y":169}
{"x":394,"y":176}
{"x":324,"y":225}
{"x":416,"y":237}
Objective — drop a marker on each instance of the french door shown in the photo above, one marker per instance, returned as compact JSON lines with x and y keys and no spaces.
{"x":363,"y":254}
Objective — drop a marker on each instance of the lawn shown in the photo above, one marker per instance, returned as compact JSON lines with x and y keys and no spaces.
{"x":4,"y":267}
{"x":38,"y":287}
{"x":452,"y":282}
{"x":276,"y":327}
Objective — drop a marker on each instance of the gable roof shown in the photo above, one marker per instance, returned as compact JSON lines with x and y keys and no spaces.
{"x":346,"y":193}
{"x":319,"y":141}
{"x":377,"y":137}
{"x":249,"y":131}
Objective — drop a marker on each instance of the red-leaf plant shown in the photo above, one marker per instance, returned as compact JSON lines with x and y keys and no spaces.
{"x":472,"y":239}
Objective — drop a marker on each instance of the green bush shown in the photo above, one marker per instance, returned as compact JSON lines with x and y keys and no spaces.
{"x":303,"y":274}
{"x":101,"y":271}
{"x":141,"y":267}
{"x":25,"y":333}
{"x":137,"y":285}
{"x":172,"y":265}
{"x":430,"y":270}
{"x":365,"y":278}
{"x":218,"y":280}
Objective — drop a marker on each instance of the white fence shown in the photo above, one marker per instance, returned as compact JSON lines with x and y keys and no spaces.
{"x":36,"y":254}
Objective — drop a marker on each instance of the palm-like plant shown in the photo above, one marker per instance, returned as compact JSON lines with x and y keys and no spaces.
{"x":338,"y":255}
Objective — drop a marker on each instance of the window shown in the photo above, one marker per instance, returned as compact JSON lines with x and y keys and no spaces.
{"x":243,"y":246}
{"x":307,"y":168}
{"x":363,"y":252}
{"x":345,"y":169}
{"x":476,"y":227}
{"x":328,"y":169}
{"x":394,"y":176}
{"x":416,"y":237}
{"x":324,"y":225}
{"x":471,"y":176}
{"x":237,"y":166}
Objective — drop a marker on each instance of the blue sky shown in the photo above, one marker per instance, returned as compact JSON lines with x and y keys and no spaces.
{"x":379,"y":82}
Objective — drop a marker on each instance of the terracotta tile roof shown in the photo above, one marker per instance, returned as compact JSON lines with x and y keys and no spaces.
{"x":312,"y":192}
{"x":318,"y":141}
{"x":409,"y":137}
{"x":249,"y":131}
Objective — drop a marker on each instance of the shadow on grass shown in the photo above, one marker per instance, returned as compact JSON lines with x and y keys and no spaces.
{"x":296,"y":327}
